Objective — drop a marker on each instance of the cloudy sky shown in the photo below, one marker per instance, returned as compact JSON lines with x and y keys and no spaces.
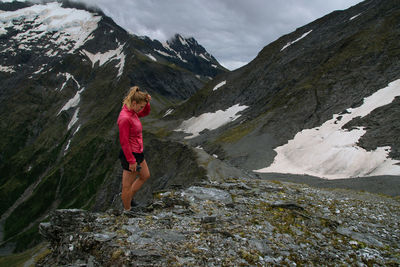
{"x":233,"y":31}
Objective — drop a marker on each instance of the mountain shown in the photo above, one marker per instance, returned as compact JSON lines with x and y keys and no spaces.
{"x":64,"y":70}
{"x":186,"y":53}
{"x":320,"y":101}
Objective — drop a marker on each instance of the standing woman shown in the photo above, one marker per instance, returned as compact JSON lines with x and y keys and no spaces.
{"x":136,"y":104}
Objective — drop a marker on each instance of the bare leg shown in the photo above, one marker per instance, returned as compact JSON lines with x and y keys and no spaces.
{"x":143,"y":176}
{"x":127,"y":180}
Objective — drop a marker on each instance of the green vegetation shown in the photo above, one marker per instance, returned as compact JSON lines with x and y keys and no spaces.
{"x":234,"y":134}
{"x":41,"y":199}
{"x":22,"y":176}
{"x":27,"y":239}
{"x":85,"y":171}
{"x":19,"y":259}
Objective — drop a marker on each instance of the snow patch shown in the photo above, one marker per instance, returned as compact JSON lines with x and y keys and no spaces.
{"x":355,"y":16}
{"x":163,"y":53}
{"x":24,"y":47}
{"x":67,"y":146}
{"x":180,"y":57}
{"x":73,"y":102}
{"x":331,"y":152}
{"x":204,"y":57}
{"x":51,"y":53}
{"x":110,"y":55}
{"x":167,"y":47}
{"x":68,"y":77}
{"x":7,"y":69}
{"x":183,"y":41}
{"x":219,"y":85}
{"x":210,"y":121}
{"x":295,"y":41}
{"x":40,"y":70}
{"x":169,"y":111}
{"x":77,"y":129}
{"x":74,"y":119}
{"x":151,"y":57}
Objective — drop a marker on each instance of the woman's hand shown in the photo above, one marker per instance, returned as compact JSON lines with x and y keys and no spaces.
{"x":132,"y":167}
{"x":148,"y":97}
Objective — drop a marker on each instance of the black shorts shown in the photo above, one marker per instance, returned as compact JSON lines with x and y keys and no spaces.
{"x":125,"y":164}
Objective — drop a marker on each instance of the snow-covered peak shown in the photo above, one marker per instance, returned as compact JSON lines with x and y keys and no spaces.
{"x":182,"y":48}
{"x":68,"y":28}
{"x":182,"y":40}
{"x":177,"y":39}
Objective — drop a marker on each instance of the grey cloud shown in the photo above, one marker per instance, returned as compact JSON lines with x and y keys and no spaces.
{"x":233,"y":31}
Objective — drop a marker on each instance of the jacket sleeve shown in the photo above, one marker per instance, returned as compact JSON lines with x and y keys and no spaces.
{"x":145,"y":111}
{"x":124,"y":126}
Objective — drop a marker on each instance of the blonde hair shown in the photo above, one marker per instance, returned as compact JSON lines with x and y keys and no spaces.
{"x":134,"y":95}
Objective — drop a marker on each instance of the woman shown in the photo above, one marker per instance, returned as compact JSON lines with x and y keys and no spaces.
{"x":135,"y":105}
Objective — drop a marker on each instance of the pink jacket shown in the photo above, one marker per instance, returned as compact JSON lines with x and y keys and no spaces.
{"x":130,"y":131}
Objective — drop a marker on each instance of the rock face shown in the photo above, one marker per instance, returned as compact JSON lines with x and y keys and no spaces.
{"x":232,"y":222}
{"x":301,"y":80}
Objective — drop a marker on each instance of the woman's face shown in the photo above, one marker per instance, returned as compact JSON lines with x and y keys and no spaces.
{"x":137,"y":107}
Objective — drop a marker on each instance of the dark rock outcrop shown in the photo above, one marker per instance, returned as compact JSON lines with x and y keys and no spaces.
{"x":232,"y":222}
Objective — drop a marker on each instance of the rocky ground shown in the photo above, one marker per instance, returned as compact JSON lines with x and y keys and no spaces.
{"x":233,"y":222}
{"x":385,"y":184}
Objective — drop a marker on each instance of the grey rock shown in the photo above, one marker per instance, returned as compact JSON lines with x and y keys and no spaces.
{"x":209,"y":219}
{"x":365,"y":238}
{"x":104,"y":237}
{"x":203,"y":193}
{"x":262,"y":246}
{"x":252,"y":232}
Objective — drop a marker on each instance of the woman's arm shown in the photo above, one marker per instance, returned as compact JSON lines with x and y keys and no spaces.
{"x":145,"y":111}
